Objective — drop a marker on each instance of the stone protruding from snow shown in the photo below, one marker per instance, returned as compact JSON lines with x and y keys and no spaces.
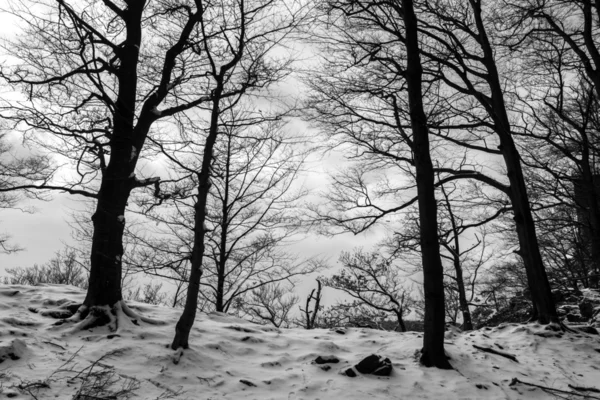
{"x":327,"y":360}
{"x":13,"y":350}
{"x":375,"y":365}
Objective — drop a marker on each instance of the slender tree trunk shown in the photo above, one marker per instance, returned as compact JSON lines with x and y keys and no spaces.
{"x":462,"y":296}
{"x":544,"y":307}
{"x":456,"y":252}
{"x":222,"y":260}
{"x":432,"y":354}
{"x":186,"y":321}
{"x":590,"y":188}
{"x":401,"y":323}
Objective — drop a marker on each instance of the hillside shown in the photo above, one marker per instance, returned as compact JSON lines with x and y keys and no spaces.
{"x":233,"y":359}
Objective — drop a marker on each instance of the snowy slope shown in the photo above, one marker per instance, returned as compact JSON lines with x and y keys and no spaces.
{"x":235,"y":359}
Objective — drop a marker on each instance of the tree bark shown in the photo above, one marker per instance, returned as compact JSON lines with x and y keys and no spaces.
{"x":186,"y":321}
{"x":117,"y":182}
{"x":222,"y":259}
{"x":432,"y":354}
{"x":544,"y":307}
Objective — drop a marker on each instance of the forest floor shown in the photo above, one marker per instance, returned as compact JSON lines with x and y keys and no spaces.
{"x":231,"y":358}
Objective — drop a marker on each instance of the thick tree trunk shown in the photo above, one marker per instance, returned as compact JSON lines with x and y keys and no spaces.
{"x":116,"y":184}
{"x":186,"y":321}
{"x":544,"y":308}
{"x":107,"y":244}
{"x":432,"y":354}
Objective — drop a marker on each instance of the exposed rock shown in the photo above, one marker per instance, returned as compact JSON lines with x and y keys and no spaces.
{"x":375,"y":365}
{"x":247,"y":383}
{"x":13,"y":350}
{"x":586,"y":308}
{"x":325,"y":367}
{"x":327,"y":360}
{"x":350,"y":372}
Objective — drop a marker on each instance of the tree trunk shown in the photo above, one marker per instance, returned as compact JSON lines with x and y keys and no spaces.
{"x":462,"y":296}
{"x":401,"y":323}
{"x":432,"y":354}
{"x":117,"y":182}
{"x":544,"y":308}
{"x":590,"y":188}
{"x":186,"y":321}
{"x":222,"y":259}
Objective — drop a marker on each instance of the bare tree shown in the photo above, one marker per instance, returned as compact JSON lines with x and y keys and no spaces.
{"x":271,"y":303}
{"x":459,"y":39}
{"x":375,"y":282}
{"x":312,"y":307}
{"x":376,"y":101}
{"x":97,"y":79}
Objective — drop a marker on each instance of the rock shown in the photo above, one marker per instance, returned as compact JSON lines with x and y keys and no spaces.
{"x":247,"y":383}
{"x":14,"y":350}
{"x":586,"y":308}
{"x":588,"y":329}
{"x":327,"y":360}
{"x":325,"y":367}
{"x":575,"y":317}
{"x":375,"y":365}
{"x":350,"y":372}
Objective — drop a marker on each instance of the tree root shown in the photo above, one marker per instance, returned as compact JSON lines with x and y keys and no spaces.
{"x":115,"y":317}
{"x":135,"y":316}
{"x":555,"y":391}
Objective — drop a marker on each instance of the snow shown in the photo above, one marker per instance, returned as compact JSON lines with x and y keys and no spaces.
{"x":229,"y":355}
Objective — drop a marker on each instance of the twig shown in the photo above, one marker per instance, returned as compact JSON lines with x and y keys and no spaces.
{"x":584,"y":388}
{"x":500,"y":353}
{"x":550,"y":389}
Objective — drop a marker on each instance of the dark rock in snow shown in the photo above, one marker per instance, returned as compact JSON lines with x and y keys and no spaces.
{"x":588,"y":329}
{"x":15,"y":350}
{"x":247,"y":383}
{"x":375,"y":365}
{"x":325,"y":367}
{"x":327,"y":360}
{"x":350,"y":372}
{"x":586,"y":308}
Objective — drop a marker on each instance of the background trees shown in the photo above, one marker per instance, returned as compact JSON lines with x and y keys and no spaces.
{"x":376,"y":283}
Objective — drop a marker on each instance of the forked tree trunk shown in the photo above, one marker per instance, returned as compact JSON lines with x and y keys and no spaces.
{"x":544,"y":307}
{"x":432,"y":354}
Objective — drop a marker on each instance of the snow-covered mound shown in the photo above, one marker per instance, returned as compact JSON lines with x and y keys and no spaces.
{"x":233,"y":359}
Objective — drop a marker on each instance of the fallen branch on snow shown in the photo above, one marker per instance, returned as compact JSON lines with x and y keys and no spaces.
{"x":493,"y":351}
{"x":552,"y":390}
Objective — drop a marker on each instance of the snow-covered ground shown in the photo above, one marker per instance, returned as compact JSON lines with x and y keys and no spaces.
{"x":233,"y":359}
